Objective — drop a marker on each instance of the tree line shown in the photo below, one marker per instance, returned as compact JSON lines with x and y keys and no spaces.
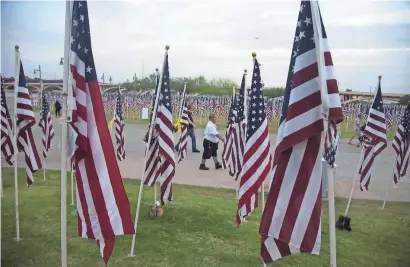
{"x":198,"y":84}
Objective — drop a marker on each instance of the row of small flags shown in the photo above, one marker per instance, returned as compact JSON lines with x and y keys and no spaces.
{"x":220,"y":105}
{"x":25,"y":120}
{"x":291,"y":221}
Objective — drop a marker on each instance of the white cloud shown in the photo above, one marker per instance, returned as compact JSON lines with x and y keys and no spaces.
{"x":400,"y":17}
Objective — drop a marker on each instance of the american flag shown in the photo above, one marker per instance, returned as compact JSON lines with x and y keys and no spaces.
{"x":183,"y":139}
{"x":257,"y":160}
{"x":152,"y":171}
{"x":26,"y":120}
{"x":291,"y":221}
{"x":7,"y":146}
{"x":241,"y":124}
{"x":376,"y":131}
{"x":229,"y":152}
{"x":46,"y":125}
{"x":119,"y":128}
{"x":401,"y":145}
{"x":102,"y":204}
{"x":166,"y":137}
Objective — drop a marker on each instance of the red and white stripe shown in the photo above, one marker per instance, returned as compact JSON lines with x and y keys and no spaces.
{"x":25,"y":121}
{"x":183,"y":139}
{"x":47,"y":128}
{"x":291,"y":222}
{"x":7,"y":147}
{"x":152,"y":170}
{"x":370,"y":147}
{"x":230,"y":156}
{"x":102,"y":204}
{"x":166,"y":153}
{"x":120,"y":137}
{"x":401,"y":146}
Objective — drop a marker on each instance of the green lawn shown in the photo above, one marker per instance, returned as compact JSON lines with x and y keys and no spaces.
{"x":197,"y":229}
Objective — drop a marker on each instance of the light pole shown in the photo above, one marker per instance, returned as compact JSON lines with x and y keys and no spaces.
{"x":110,"y":80}
{"x":41,"y":88}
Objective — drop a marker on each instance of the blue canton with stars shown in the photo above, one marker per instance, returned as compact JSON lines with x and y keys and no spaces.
{"x":240,"y":112}
{"x":45,"y":109}
{"x":165,"y":89}
{"x":3,"y":96}
{"x":80,"y":39}
{"x":405,"y":121}
{"x":118,"y":111}
{"x":303,"y":42}
{"x":233,"y":111}
{"x":378,"y":100}
{"x":256,"y":105}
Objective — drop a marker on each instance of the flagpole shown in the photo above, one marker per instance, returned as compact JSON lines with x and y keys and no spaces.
{"x":64,"y":131}
{"x":72,"y":184}
{"x":155,"y":183}
{"x":354,"y":182}
{"x":16,"y":192}
{"x":325,"y":103}
{"x":387,"y":190}
{"x":41,"y":110}
{"x":151,"y":128}
{"x":236,"y":182}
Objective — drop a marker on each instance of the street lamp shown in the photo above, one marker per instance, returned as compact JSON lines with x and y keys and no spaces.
{"x":61,"y":62}
{"x":110,"y":80}
{"x":41,"y":87}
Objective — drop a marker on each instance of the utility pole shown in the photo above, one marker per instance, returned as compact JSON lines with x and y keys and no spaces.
{"x":110,"y":80}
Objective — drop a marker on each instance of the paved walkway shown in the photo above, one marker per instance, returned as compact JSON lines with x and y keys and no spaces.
{"x":187,"y":172}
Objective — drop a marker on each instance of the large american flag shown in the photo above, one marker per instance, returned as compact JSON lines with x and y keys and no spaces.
{"x":25,"y":121}
{"x":119,"y":128}
{"x":375,"y":130}
{"x":7,"y":146}
{"x":102,"y":204}
{"x":257,"y":159}
{"x":291,"y":222}
{"x":46,"y":125}
{"x":183,"y":139}
{"x":401,"y":145}
{"x":166,"y":137}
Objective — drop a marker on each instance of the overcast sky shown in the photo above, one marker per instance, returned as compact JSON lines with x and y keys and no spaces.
{"x":214,"y":38}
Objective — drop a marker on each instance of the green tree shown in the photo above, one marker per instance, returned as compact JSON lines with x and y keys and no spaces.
{"x":404,"y":100}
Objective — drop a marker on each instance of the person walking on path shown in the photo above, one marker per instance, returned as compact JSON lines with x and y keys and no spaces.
{"x":356,"y":129}
{"x":211,"y":136}
{"x":57,"y":107}
{"x":191,"y":131}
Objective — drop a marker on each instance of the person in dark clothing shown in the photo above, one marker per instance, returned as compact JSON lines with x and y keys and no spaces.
{"x":191,"y":131}
{"x":57,"y":106}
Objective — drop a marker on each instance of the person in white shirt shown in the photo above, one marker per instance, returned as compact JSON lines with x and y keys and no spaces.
{"x":211,"y":138}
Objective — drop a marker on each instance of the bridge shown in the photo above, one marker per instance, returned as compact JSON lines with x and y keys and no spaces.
{"x":351,"y":96}
{"x":34,"y":85}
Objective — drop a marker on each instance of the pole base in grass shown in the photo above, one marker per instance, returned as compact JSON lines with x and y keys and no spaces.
{"x":18,"y":239}
{"x":131,"y":255}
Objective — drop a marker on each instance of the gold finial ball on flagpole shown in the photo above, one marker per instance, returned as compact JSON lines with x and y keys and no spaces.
{"x":167,"y":47}
{"x":254,"y":54}
{"x":16,"y":47}
{"x":380,"y":76}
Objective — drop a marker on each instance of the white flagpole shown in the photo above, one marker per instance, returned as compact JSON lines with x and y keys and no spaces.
{"x":325,"y":103}
{"x":64,"y":131}
{"x":72,"y":184}
{"x":155,"y":183}
{"x":41,"y":110}
{"x":146,"y":155}
{"x":354,"y":182}
{"x":391,"y":181}
{"x":16,"y":192}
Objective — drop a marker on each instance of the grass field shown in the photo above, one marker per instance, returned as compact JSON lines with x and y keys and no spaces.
{"x":197,"y":229}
